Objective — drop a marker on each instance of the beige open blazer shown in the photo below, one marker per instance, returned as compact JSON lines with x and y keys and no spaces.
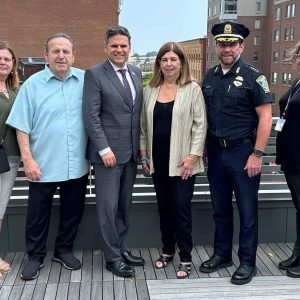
{"x":188,"y":130}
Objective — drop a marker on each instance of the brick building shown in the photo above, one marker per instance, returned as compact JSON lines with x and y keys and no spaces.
{"x":196,"y":52}
{"x":274,"y":26}
{"x":27,"y":24}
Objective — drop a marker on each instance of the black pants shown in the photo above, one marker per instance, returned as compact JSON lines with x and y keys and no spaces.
{"x":174,"y":197}
{"x":226,"y":175}
{"x":293,"y":182}
{"x":72,"y":197}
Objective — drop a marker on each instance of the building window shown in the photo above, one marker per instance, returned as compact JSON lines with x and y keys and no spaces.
{"x":274,"y":78}
{"x":286,"y":34}
{"x":277,"y":13}
{"x":276,"y":36}
{"x":275,"y":57}
{"x":209,"y":12}
{"x":293,"y":10}
{"x":257,"y":24}
{"x":256,"y":40}
{"x":258,"y":6}
{"x":230,"y":7}
{"x":255,"y":57}
{"x":214,"y":12}
{"x":290,"y":10}
{"x":287,"y":78}
{"x":291,"y":33}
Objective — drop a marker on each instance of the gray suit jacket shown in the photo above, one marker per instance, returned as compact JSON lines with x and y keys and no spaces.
{"x":108,"y":118}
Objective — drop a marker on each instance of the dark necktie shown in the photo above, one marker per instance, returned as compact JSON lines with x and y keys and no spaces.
{"x":126,"y":85}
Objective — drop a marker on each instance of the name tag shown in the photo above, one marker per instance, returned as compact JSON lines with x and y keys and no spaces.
{"x":279,"y":124}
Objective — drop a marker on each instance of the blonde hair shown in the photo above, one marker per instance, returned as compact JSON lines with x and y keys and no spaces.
{"x":185,"y":74}
{"x":12,"y":80}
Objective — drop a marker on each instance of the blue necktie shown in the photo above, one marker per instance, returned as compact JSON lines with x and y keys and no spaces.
{"x":126,"y":85}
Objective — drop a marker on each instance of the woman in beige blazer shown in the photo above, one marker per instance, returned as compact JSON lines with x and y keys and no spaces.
{"x":173,"y":130}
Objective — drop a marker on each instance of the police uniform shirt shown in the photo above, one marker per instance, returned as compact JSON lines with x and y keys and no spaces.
{"x":231,"y":100}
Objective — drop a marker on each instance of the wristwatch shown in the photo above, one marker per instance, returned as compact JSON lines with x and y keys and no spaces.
{"x":258,"y":153}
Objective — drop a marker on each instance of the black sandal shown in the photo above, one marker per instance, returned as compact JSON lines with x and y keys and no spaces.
{"x":164,"y":259}
{"x":184,"y":267}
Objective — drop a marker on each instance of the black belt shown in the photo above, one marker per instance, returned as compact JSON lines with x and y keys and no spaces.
{"x":227,"y":142}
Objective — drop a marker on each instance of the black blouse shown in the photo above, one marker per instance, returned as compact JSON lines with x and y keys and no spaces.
{"x":288,"y":140}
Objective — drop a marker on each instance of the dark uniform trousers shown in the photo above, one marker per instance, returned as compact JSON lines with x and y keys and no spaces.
{"x":226,"y":174}
{"x":72,"y":196}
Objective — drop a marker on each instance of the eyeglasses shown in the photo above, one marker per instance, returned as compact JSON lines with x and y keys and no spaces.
{"x":6,"y":59}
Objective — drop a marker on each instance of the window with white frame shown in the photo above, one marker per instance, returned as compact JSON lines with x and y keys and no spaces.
{"x":274,"y":78}
{"x":276,"y":36}
{"x":277,"y":13}
{"x":256,"y":40}
{"x":257,"y":24}
{"x":255,"y":57}
{"x":275,"y":56}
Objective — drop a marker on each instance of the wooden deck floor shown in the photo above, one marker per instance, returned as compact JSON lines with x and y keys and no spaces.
{"x":93,"y":281}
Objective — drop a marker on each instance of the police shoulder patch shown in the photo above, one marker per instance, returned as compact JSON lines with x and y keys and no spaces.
{"x":262,"y":81}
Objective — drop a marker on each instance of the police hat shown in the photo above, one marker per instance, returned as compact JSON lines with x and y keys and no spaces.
{"x":229,"y":32}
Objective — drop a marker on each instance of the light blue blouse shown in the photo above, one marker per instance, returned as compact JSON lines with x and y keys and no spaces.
{"x":50,"y":111}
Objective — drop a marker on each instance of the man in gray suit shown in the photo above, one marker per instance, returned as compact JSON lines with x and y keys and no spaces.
{"x":112,"y":100}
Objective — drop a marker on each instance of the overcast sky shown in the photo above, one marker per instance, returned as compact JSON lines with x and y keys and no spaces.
{"x":152,"y":23}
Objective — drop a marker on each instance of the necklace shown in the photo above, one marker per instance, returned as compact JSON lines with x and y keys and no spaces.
{"x":5,"y":92}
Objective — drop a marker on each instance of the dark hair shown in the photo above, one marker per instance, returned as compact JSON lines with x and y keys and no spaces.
{"x":117,"y":30}
{"x":185,"y":74}
{"x":12,"y":80}
{"x":59,"y":35}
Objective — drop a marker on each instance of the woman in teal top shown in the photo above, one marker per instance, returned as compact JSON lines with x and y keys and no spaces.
{"x":9,"y":84}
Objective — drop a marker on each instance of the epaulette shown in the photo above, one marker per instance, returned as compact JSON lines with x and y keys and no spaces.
{"x":250,"y":67}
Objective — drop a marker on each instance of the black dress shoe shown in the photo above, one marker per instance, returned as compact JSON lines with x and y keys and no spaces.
{"x":120,"y":268}
{"x":132,"y":260}
{"x":293,"y":261}
{"x":243,"y":274}
{"x":293,"y":272}
{"x":215,"y":263}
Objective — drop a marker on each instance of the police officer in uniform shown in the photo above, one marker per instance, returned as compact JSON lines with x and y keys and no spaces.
{"x":239,"y":115}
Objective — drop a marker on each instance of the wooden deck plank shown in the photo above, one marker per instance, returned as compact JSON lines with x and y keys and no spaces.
{"x":281,"y":254}
{"x":54,"y":274}
{"x":62,"y":291}
{"x":268,"y":262}
{"x":87,"y":266}
{"x":222,"y":289}
{"x":74,"y":289}
{"x":39,"y":291}
{"x":27,"y":292}
{"x":272,"y":255}
{"x":97,"y":265}
{"x":130,"y":287}
{"x":16,"y":292}
{"x":5,"y":291}
{"x":142,"y":290}
{"x":197,"y":262}
{"x":139,"y":270}
{"x":85,"y":290}
{"x":76,"y":274}
{"x":108,"y":289}
{"x":55,"y":282}
{"x":96,"y":293}
{"x":149,"y":270}
{"x":51,"y":290}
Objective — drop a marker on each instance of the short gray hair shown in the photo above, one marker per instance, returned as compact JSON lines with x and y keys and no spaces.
{"x":59,"y":35}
